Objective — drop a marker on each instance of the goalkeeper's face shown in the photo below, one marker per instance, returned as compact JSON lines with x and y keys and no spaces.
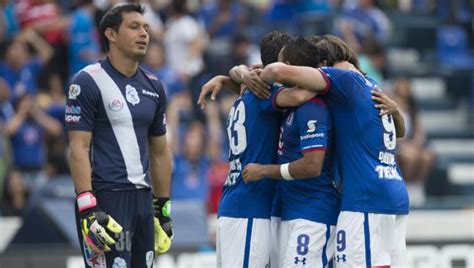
{"x":133,"y":36}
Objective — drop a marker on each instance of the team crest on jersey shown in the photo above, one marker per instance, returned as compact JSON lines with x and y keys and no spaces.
{"x":74,"y":91}
{"x":149,"y":259}
{"x":289,"y":120}
{"x":115,"y":105}
{"x":119,"y":263}
{"x":131,"y":95}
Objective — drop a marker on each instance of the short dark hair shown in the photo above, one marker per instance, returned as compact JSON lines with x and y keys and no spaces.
{"x":271,"y":45}
{"x":333,"y":50}
{"x":113,"y":18}
{"x":301,"y":52}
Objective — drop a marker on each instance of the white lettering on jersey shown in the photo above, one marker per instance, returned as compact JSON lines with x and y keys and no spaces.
{"x":311,"y":126}
{"x":387,"y":158}
{"x":149,"y":93}
{"x":314,"y":135}
{"x":235,"y":168}
{"x":388,"y":172}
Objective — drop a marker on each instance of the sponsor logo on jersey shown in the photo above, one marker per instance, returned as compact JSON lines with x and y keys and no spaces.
{"x":74,"y":91}
{"x":314,"y":135}
{"x":72,"y":118}
{"x":131,"y":95}
{"x":149,"y":93}
{"x":72,"y":109}
{"x":311,"y":126}
{"x":115,"y":105}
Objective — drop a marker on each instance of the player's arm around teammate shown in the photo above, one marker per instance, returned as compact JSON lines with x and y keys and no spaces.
{"x":308,"y":166}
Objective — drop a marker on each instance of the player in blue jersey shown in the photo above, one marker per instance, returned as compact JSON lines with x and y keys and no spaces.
{"x":253,"y":131}
{"x":371,"y":228}
{"x":310,"y":207}
{"x":119,"y":159}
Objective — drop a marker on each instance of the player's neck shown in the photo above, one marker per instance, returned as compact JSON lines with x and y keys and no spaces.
{"x":124,"y":65}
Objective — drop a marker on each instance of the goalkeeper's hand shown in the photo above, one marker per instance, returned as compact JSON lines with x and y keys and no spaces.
{"x":163,"y":224}
{"x":97,"y":227}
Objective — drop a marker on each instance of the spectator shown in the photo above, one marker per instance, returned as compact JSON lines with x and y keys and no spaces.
{"x":415,"y":159}
{"x":184,"y":41}
{"x":26,"y":130}
{"x":84,"y":47}
{"x":8,"y":23}
{"x":44,"y":16}
{"x":362,"y":22}
{"x":222,"y":18}
{"x":191,"y":166}
{"x":19,"y":68}
{"x":156,"y":63}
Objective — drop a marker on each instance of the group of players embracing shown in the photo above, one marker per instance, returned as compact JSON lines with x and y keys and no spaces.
{"x":313,"y":180}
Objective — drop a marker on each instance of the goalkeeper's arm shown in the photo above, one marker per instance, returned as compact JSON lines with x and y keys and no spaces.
{"x":160,"y":171}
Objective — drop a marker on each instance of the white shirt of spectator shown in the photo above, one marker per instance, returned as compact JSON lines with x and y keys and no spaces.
{"x":179,"y":34}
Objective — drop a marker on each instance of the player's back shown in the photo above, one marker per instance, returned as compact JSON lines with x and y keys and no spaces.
{"x":253,"y":130}
{"x":366,"y":144}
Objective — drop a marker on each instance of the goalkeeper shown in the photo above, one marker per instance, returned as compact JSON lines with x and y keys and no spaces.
{"x":119,"y":156}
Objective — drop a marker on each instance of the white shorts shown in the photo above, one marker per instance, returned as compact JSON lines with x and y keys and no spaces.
{"x":368,"y":240}
{"x":243,"y":242}
{"x":306,"y":244}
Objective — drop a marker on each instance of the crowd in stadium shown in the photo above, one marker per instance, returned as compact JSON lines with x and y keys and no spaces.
{"x":45,"y":42}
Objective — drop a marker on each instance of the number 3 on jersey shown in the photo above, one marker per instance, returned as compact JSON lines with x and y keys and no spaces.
{"x":236,"y":129}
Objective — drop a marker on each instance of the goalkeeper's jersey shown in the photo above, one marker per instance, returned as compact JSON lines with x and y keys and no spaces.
{"x":366,"y":145}
{"x":305,"y":129}
{"x":252,"y":129}
{"x":121,"y":113}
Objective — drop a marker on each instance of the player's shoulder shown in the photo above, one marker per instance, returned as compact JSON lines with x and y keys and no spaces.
{"x":314,"y":105}
{"x":83,"y":81}
{"x":276,"y":86}
{"x":154,"y":80}
{"x":335,"y":71}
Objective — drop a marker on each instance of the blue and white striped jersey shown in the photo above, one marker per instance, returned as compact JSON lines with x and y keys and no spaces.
{"x":121,"y":112}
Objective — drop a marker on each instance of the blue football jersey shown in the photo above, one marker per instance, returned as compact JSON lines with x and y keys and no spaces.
{"x":307,"y":128}
{"x":253,"y":129}
{"x":366,"y":144}
{"x":121,"y":112}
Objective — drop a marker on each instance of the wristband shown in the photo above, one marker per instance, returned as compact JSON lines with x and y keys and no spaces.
{"x":85,"y":201}
{"x":285,"y":172}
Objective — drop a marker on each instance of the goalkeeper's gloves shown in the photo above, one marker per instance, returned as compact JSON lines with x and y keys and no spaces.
{"x":97,"y":227}
{"x":163,"y":224}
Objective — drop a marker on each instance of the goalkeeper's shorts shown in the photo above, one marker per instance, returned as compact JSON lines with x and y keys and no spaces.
{"x":133,"y":210}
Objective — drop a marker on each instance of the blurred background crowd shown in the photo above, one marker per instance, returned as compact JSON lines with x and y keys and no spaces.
{"x":420,"y":50}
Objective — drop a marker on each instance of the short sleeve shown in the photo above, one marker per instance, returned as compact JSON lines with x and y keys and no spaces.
{"x":269,"y":105}
{"x":314,"y":125}
{"x":340,"y":82}
{"x":158,"y":126}
{"x":83,"y":98}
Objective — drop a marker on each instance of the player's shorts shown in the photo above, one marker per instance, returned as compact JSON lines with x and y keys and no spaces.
{"x":243,"y":242}
{"x":370,"y":240}
{"x":306,"y":243}
{"x":134,"y":246}
{"x":276,"y":254}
